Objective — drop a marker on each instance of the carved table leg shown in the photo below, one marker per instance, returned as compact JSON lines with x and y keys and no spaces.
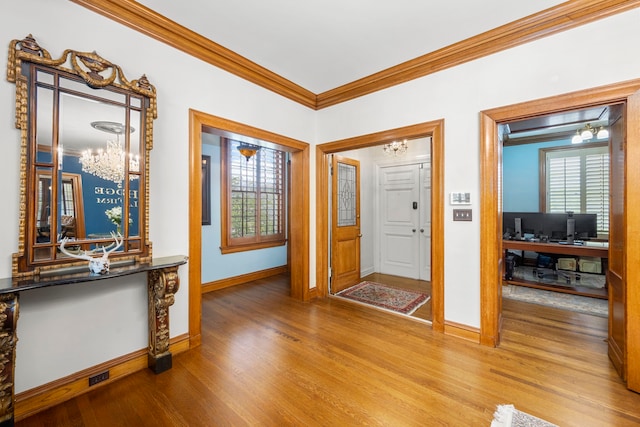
{"x":162,"y":285}
{"x":8,"y":340}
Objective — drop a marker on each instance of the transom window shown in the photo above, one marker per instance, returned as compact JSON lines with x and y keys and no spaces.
{"x":253,"y":198}
{"x":577,"y":179}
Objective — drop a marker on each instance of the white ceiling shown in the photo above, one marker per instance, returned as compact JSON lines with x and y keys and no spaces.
{"x":323,"y":44}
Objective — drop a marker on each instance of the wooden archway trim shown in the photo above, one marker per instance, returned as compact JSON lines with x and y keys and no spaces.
{"x":435,"y":130}
{"x":299,"y":192}
{"x":491,"y":204}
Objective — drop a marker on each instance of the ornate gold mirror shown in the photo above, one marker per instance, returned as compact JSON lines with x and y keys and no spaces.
{"x":86,"y":134}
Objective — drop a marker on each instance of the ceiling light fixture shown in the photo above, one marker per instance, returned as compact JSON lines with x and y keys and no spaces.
{"x":248,"y":150}
{"x":588,"y":132}
{"x":395,"y":147}
{"x":109,"y":163}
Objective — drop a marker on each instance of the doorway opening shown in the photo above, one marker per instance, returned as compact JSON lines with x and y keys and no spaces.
{"x":298,"y":236}
{"x":627,"y":152}
{"x":380,"y":204}
{"x":434,"y":130}
{"x":555,"y":208}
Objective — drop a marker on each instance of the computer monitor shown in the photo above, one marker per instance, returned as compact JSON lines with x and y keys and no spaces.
{"x":551,"y":225}
{"x":586,"y":225}
{"x":530,"y":223}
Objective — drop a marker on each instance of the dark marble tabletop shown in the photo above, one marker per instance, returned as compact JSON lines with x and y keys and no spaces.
{"x":66,"y":276}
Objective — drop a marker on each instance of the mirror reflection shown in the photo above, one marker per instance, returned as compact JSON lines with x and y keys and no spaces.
{"x":87,"y":142}
{"x":93,"y":161}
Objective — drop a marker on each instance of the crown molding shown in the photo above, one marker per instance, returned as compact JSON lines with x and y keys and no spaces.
{"x":563,"y":17}
{"x":140,"y":18}
{"x":559,"y":18}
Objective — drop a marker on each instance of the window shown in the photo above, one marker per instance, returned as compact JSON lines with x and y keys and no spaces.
{"x":577,"y":179}
{"x":206,"y":190}
{"x":253,"y":198}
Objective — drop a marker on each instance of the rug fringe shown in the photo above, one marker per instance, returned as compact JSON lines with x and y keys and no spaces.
{"x":503,"y":416}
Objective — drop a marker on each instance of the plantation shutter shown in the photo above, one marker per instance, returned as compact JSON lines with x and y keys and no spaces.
{"x":564,"y":184}
{"x":244,"y":191}
{"x":257,"y":195}
{"x":597,"y":188}
{"x":578,"y":181}
{"x":271,"y":192}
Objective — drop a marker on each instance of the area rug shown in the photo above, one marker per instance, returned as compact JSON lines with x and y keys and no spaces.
{"x":387,"y":297}
{"x":509,"y":416}
{"x":594,"y":306}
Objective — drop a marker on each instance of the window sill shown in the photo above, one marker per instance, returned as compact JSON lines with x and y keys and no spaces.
{"x":251,"y":246}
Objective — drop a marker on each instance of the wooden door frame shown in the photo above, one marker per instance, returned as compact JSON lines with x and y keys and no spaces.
{"x":491,"y":206}
{"x":298,"y":239}
{"x":434,"y":129}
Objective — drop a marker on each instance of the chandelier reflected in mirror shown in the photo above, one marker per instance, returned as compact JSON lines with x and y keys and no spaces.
{"x":395,"y":148}
{"x":108,"y":163}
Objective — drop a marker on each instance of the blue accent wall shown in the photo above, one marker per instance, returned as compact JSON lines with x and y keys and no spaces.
{"x":521,"y":176}
{"x":99,"y":195}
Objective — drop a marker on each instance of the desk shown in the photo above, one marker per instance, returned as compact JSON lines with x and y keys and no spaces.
{"x":162,"y":284}
{"x":591,"y":249}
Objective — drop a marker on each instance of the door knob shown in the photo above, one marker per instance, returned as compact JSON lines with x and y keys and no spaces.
{"x":359,"y":235}
{"x":422,"y":230}
{"x":414,"y":230}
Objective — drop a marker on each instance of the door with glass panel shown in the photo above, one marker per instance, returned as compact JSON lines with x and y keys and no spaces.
{"x":345,"y":223}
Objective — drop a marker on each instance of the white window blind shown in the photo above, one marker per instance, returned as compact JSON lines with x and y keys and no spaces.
{"x":578,"y":181}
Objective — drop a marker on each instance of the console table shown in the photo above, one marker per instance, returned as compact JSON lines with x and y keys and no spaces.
{"x":162,"y":284}
{"x":591,"y":249}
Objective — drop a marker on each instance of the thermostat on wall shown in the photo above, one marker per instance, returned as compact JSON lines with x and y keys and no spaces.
{"x":460,"y":198}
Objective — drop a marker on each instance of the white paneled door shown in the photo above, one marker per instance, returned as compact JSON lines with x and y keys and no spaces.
{"x":405,"y":221}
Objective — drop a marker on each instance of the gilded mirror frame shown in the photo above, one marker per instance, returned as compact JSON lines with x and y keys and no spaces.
{"x":97,"y":76}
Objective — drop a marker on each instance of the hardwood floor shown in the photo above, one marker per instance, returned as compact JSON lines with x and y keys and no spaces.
{"x":269,"y":360}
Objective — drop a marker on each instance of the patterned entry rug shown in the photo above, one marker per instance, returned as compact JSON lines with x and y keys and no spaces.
{"x":509,"y":416}
{"x":594,"y":306}
{"x":387,"y":297}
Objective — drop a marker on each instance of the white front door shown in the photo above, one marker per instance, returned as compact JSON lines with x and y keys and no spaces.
{"x":425,"y":222}
{"x":405,"y":216}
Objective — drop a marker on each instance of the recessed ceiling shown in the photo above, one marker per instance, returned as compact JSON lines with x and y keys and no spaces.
{"x":562,"y":125}
{"x":321,"y":45}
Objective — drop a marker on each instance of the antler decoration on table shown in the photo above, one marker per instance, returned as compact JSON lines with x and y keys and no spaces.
{"x":97,"y":265}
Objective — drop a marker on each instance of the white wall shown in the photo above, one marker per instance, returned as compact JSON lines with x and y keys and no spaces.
{"x":535,"y":70}
{"x":67,"y":329}
{"x":97,"y":323}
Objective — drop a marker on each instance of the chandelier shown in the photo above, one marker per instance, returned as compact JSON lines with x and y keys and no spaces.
{"x":248,"y":150}
{"x":109,"y":163}
{"x":395,"y":147}
{"x":588,"y":132}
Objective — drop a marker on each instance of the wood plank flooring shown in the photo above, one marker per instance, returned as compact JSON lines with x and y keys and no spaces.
{"x":268,"y":360}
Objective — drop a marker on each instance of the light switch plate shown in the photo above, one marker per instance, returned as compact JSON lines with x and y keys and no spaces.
{"x":462,"y":215}
{"x":457,"y":198}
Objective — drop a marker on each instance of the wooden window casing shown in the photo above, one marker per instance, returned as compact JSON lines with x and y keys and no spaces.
{"x":253,"y":198}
